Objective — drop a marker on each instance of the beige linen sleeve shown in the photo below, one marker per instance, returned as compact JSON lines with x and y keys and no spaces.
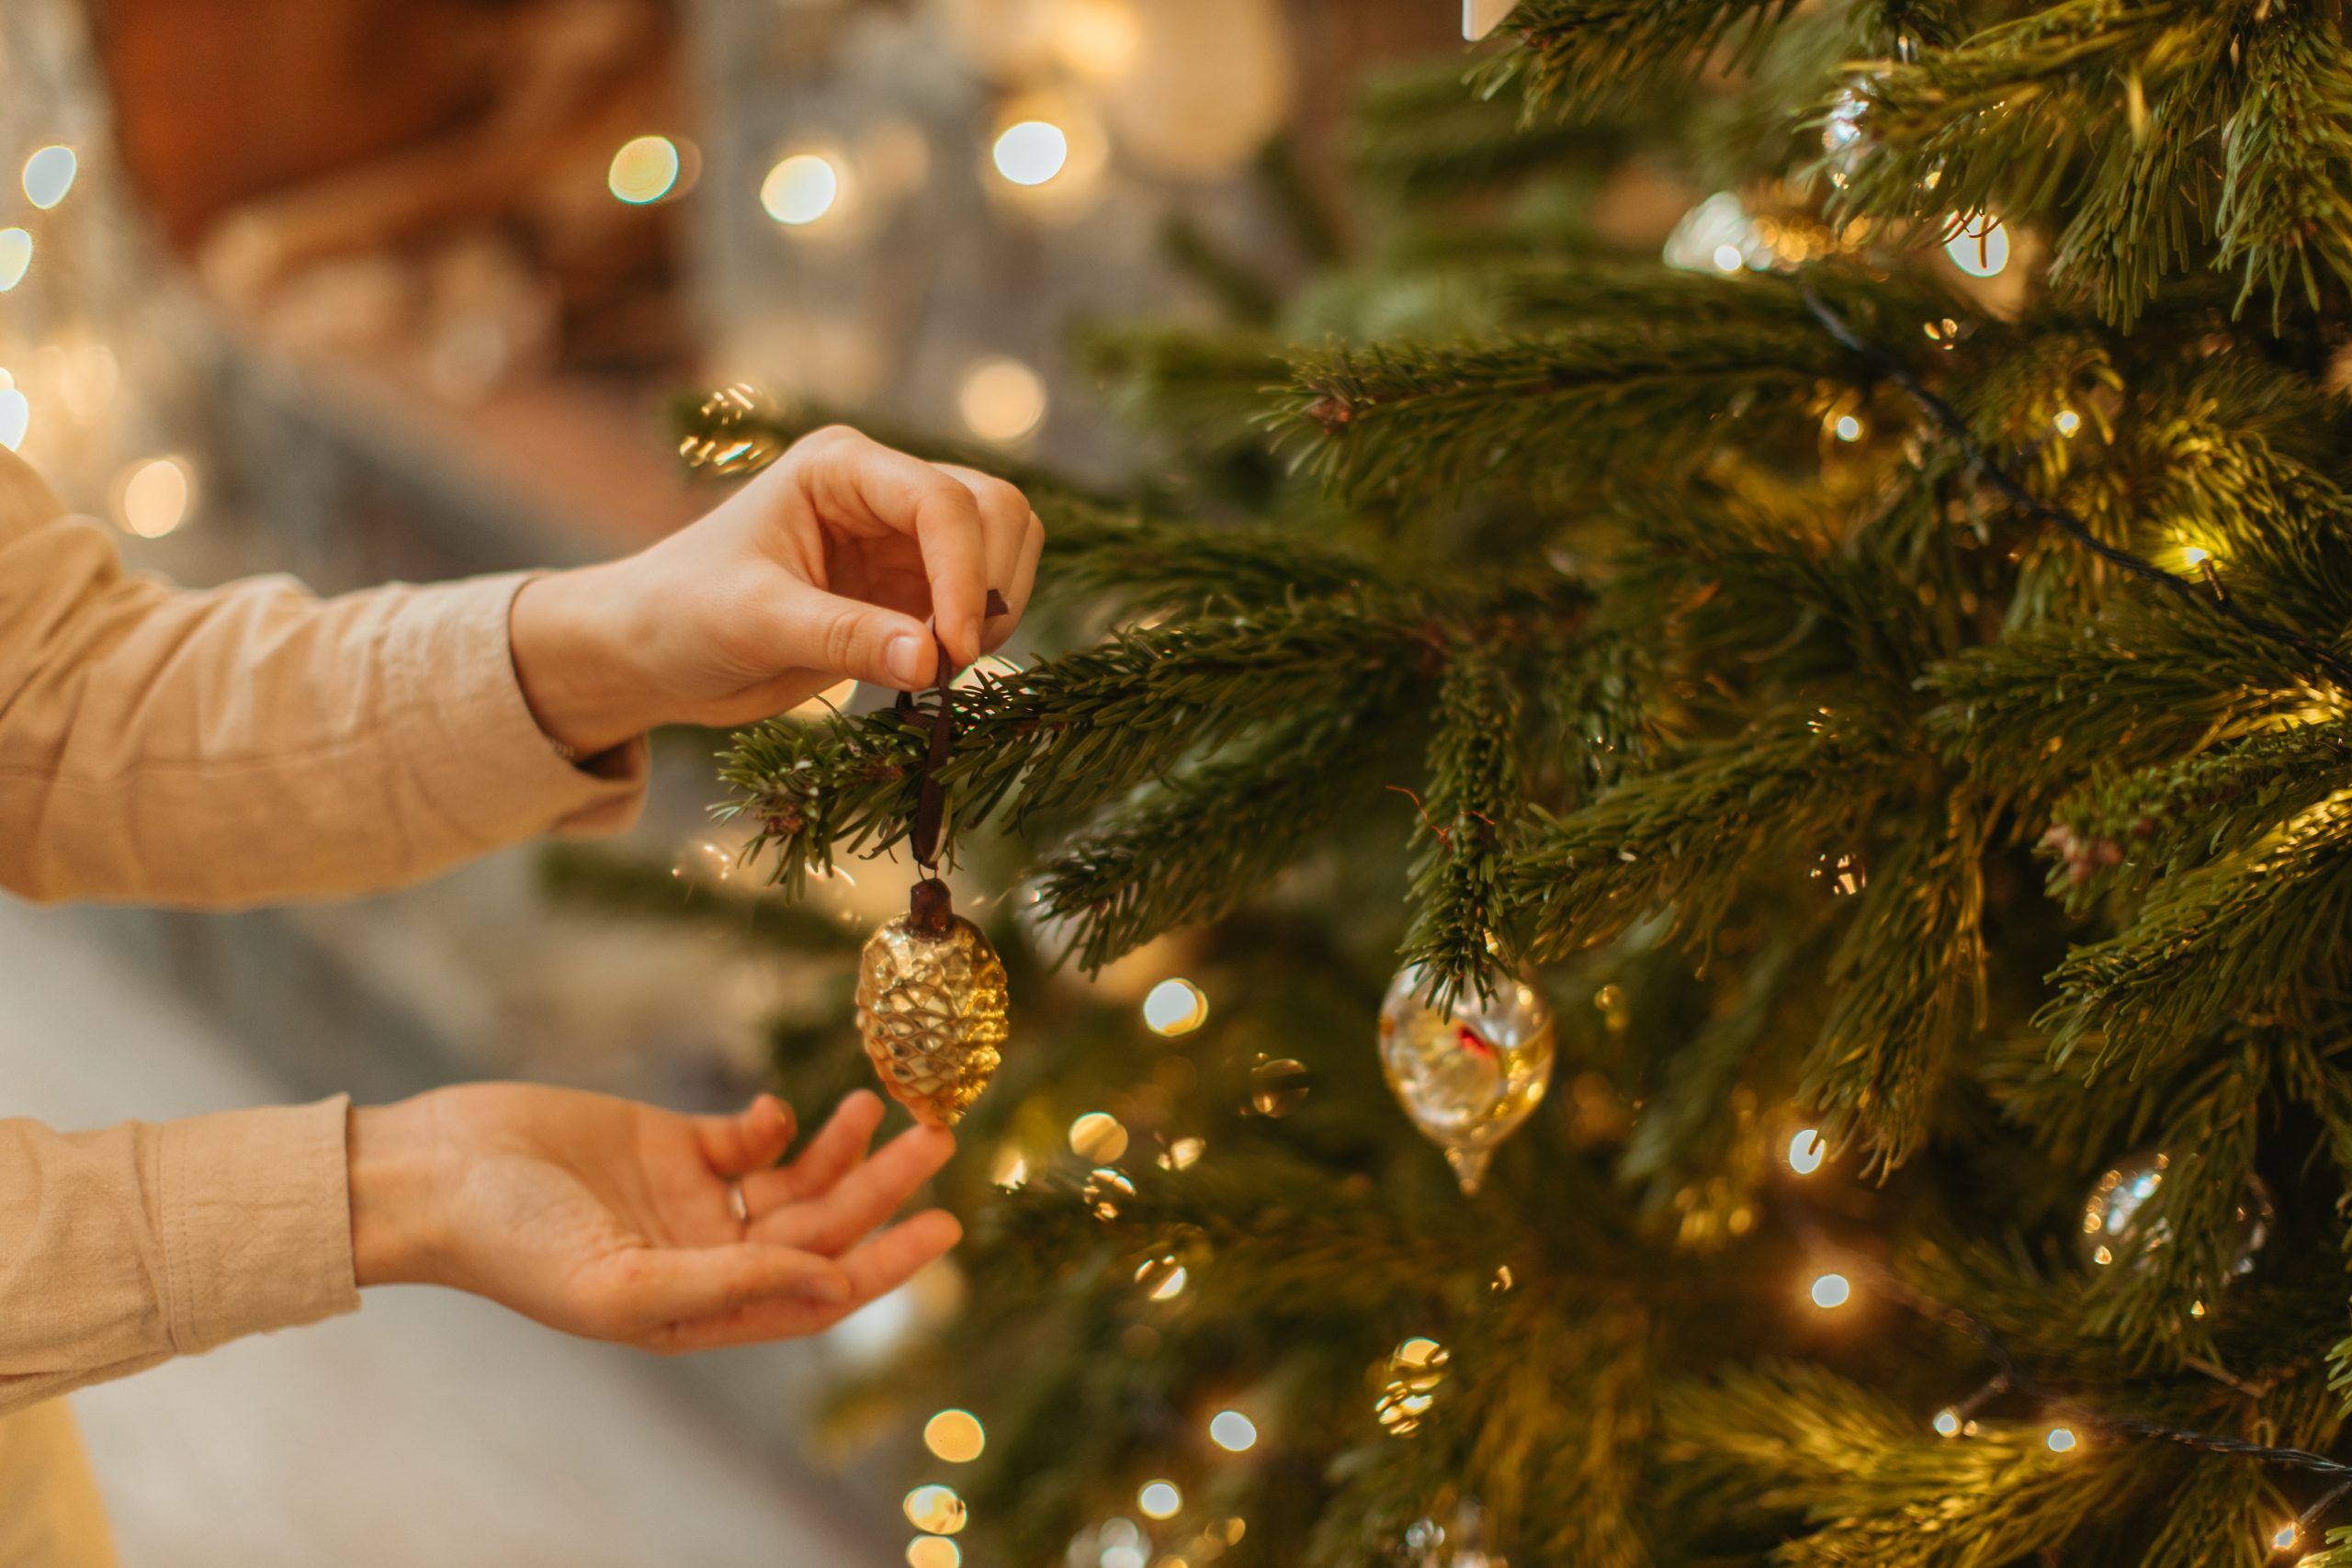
{"x":254,"y":744}
{"x":212,"y":749}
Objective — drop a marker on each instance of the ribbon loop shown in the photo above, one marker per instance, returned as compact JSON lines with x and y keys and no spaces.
{"x":931,"y":801}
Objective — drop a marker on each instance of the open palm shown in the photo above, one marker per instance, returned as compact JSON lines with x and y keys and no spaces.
{"x":619,"y":1221}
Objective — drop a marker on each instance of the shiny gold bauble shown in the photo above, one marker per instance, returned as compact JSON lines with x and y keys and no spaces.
{"x":933,"y":1011}
{"x":1467,"y":1074}
{"x":733,"y":433}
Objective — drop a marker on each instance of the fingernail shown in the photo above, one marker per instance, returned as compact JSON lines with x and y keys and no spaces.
{"x":905,"y":659}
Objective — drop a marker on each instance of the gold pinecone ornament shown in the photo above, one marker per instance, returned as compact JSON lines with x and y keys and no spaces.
{"x":932,"y":1007}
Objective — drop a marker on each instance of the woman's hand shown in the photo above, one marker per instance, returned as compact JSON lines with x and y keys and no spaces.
{"x":616,"y":1221}
{"x":824,"y":567}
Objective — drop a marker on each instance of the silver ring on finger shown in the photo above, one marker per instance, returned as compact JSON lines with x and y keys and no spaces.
{"x":737,"y":1204}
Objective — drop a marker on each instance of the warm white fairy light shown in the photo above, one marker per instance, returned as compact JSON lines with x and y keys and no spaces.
{"x":954,"y":1436}
{"x":1001,"y":399}
{"x":1979,"y":245}
{"x":15,"y":257}
{"x":2285,"y":1535}
{"x":936,"y":1510}
{"x":1160,"y":1499}
{"x":1163,"y":1277}
{"x":1830,"y":1291}
{"x":2068,"y":422}
{"x":1098,"y":1137}
{"x":1947,"y":1423}
{"x":2196,"y":555}
{"x":1717,"y":235}
{"x":800,"y":189}
{"x":1847,"y":428}
{"x":2061,"y":1440}
{"x":49,"y":176}
{"x":16,"y":415}
{"x":644,"y":170}
{"x":1174,"y":1007}
{"x":1232,"y":1431}
{"x":1031,"y":151}
{"x":1807,"y":1150}
{"x":934,"y":1551}
{"x":154,"y":497}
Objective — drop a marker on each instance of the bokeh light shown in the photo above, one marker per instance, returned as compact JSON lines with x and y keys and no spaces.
{"x":1232,"y":1431}
{"x":800,"y":189}
{"x":154,"y":497}
{"x":1163,"y":1279}
{"x":1001,"y":399}
{"x":1097,"y":39}
{"x":1947,"y":1423}
{"x":954,"y":1436}
{"x":1979,"y":246}
{"x":936,"y":1509}
{"x":15,"y":257}
{"x":644,"y":170}
{"x":934,"y":1551}
{"x":1831,"y":1290}
{"x":1098,"y":1137}
{"x":1160,"y":1499}
{"x":1175,"y":1007}
{"x":1031,"y":151}
{"x":49,"y":174}
{"x":1806,"y":1151}
{"x":2061,"y":1440}
{"x":15,"y":413}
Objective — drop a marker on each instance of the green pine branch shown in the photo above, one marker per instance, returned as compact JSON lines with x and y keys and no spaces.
{"x":1586,"y":57}
{"x":1477,"y":794}
{"x":1068,"y":736}
{"x":1678,"y":844}
{"x":1191,"y":848}
{"x":1908,"y":988}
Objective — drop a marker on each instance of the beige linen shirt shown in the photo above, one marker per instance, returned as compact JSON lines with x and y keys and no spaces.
{"x":242,"y":746}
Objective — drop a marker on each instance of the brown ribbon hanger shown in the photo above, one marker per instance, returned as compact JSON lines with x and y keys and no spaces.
{"x":928,"y":909}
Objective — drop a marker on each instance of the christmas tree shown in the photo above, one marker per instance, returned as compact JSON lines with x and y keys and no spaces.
{"x":1856,"y":706}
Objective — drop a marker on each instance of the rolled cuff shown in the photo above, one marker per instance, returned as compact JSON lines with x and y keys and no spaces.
{"x":256,"y":1212}
{"x":464,"y":732}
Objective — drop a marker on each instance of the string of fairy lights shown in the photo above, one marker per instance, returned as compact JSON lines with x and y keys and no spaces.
{"x":2068,"y":1417}
{"x":2203,"y":593}
{"x":1832,"y":1288}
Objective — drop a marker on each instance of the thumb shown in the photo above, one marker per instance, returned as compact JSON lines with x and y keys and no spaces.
{"x":674,"y":1284}
{"x":846,"y":637}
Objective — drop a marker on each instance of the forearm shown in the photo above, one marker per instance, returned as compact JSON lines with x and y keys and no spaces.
{"x":123,"y":1247}
{"x":254,"y":743}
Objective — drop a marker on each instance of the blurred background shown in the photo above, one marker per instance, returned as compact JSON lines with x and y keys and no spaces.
{"x":376,"y":289}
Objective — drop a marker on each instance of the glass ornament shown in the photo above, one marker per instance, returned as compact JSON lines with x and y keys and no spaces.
{"x":2116,"y":1230}
{"x":933,"y":1009}
{"x":1844,"y":141}
{"x":1469,"y":1073}
{"x":1278,"y":1086}
{"x":1457,"y":1539}
{"x":733,"y":433}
